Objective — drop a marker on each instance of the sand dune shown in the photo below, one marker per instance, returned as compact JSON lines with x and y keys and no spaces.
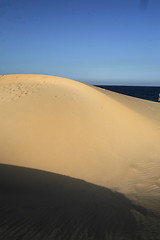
{"x":74,"y":129}
{"x":43,"y":206}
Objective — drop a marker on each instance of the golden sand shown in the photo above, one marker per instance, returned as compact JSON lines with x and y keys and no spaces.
{"x":75,"y":129}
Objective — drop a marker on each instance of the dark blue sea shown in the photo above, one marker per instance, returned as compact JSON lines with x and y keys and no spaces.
{"x":151,"y":93}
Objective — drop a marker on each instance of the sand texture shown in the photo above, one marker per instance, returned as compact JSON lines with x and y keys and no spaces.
{"x":67,"y":127}
{"x":47,"y":206}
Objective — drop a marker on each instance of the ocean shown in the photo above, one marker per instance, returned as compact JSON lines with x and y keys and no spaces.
{"x":151,"y":93}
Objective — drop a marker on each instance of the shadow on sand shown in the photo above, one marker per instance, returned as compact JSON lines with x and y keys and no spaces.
{"x":41,"y":205}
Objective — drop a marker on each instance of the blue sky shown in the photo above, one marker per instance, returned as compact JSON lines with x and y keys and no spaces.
{"x":94,"y":41}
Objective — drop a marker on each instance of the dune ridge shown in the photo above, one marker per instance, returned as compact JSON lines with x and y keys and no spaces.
{"x":74,"y":129}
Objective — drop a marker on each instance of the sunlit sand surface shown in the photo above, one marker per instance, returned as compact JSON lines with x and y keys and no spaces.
{"x":84,"y":132}
{"x":74,"y":129}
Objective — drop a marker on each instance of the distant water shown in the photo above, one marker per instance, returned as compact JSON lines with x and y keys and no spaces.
{"x":144,"y":92}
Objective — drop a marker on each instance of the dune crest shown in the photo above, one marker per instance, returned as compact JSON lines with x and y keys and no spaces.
{"x":67,"y":127}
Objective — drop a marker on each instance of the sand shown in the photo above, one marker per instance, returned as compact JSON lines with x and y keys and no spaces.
{"x":47,"y":206}
{"x":74,"y":129}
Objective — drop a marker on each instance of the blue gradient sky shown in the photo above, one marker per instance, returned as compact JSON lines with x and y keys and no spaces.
{"x":94,"y":41}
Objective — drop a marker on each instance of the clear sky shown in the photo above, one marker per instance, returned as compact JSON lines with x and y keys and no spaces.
{"x":94,"y":41}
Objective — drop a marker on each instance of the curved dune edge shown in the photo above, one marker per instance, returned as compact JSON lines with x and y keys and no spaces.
{"x":42,"y":205}
{"x":67,"y":127}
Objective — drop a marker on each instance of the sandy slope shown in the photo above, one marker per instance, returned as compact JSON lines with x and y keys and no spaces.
{"x":67,"y":127}
{"x":46,"y":206}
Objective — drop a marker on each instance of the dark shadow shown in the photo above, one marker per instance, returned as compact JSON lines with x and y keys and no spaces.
{"x":41,"y":205}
